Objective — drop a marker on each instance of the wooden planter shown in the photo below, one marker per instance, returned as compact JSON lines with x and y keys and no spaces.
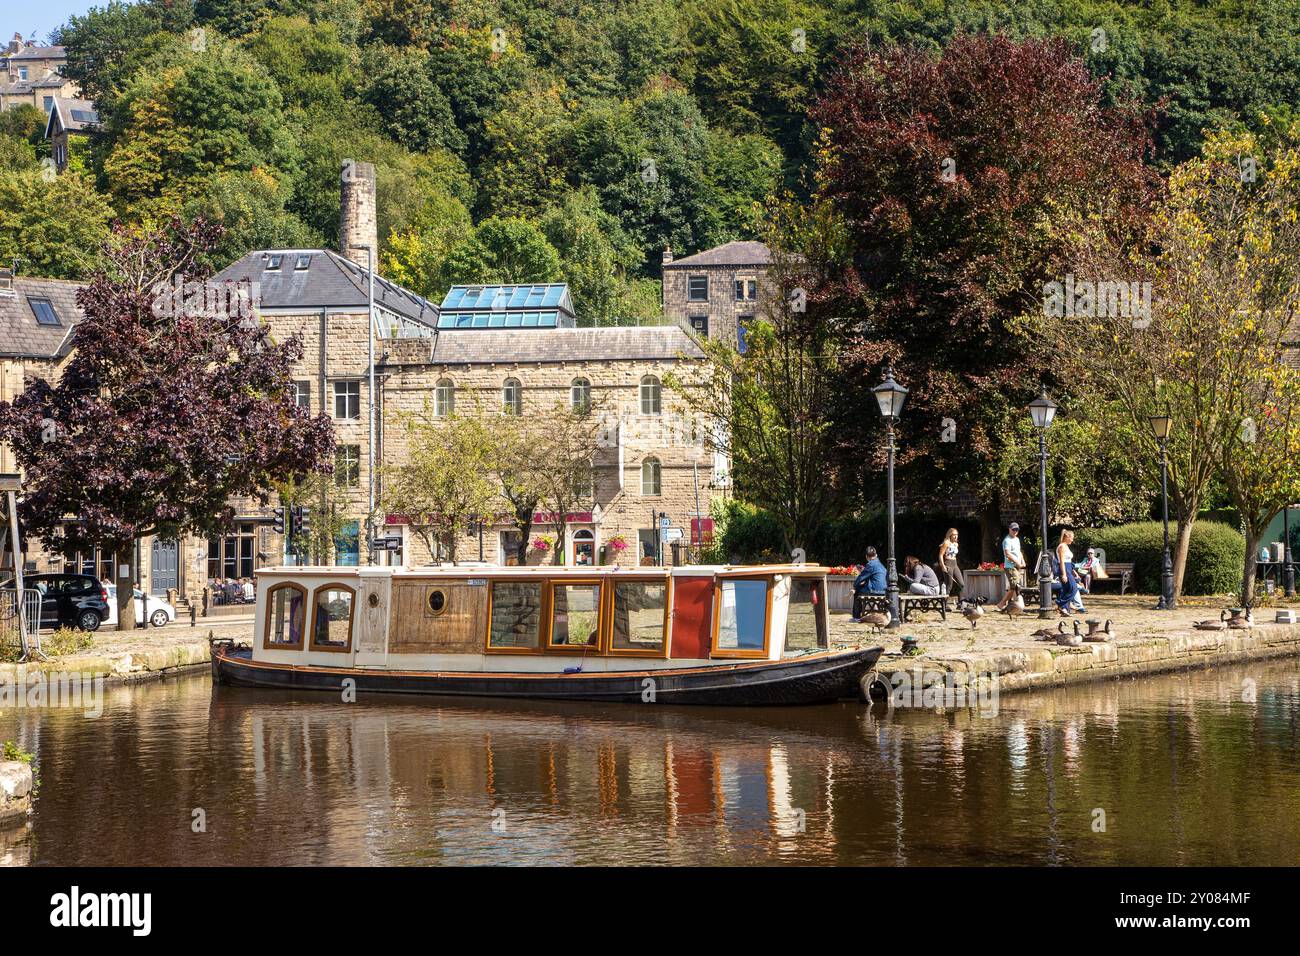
{"x":839,"y":592}
{"x":990,"y":585}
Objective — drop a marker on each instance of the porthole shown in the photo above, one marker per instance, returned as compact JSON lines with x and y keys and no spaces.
{"x":437,"y":601}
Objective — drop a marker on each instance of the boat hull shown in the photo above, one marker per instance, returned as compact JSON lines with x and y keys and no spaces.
{"x":812,"y":679}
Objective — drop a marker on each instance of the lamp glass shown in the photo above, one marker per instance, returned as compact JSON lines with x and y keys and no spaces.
{"x":1042,"y":410}
{"x":890,"y":396}
{"x":1160,"y":425}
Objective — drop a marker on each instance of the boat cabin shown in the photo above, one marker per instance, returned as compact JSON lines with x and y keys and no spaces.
{"x":531,"y":619}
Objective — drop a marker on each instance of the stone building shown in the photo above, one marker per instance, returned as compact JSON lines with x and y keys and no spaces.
{"x":69,"y":118}
{"x":32,"y":75}
{"x":717,"y":292}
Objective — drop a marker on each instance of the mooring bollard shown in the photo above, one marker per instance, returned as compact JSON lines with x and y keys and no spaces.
{"x":194,"y":613}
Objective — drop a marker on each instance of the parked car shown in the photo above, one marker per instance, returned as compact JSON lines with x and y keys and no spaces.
{"x":72,"y":600}
{"x":160,"y":612}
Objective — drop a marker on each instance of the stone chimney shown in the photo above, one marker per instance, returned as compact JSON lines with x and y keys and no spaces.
{"x":16,"y":43}
{"x":358,"y":226}
{"x":668,"y":254}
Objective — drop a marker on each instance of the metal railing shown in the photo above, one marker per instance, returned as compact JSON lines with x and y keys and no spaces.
{"x":11,"y":635}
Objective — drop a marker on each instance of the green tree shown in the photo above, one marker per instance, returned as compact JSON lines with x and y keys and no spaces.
{"x":57,"y":225}
{"x":505,"y":251}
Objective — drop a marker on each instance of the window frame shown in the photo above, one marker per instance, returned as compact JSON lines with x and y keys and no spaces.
{"x":690,"y":288}
{"x":33,"y":301}
{"x":734,"y":652}
{"x":267,"y":643}
{"x":335,"y":389}
{"x":352,"y":616}
{"x":345,"y":485}
{"x":515,"y":407}
{"x":658,"y":474}
{"x":543,"y":617}
{"x":444,"y":398}
{"x":657,"y":395}
{"x":548,"y":606}
{"x":701,"y":330}
{"x":822,"y":611}
{"x":302,"y":393}
{"x":663,"y":653}
{"x":585,"y":407}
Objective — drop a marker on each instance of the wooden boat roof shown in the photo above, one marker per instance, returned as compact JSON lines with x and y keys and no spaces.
{"x":495,"y":571}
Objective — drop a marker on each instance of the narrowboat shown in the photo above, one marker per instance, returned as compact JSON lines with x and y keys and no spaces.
{"x":692,"y":635}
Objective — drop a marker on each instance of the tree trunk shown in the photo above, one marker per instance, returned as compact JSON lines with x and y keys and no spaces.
{"x":125,"y":586}
{"x":1182,"y":542}
{"x":991,"y":528}
{"x":1248,"y":569}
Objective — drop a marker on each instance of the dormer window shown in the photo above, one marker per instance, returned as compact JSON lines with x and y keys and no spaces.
{"x":302,"y":263}
{"x":44,"y":312}
{"x":273,"y":263}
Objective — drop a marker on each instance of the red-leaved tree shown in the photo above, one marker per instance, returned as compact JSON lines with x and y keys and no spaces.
{"x":952,"y":175}
{"x":174,"y":401}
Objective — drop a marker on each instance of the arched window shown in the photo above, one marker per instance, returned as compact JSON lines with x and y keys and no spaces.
{"x":444,"y":398}
{"x":580,"y":395}
{"x":512,"y":397}
{"x":651,"y":401}
{"x":332,"y":626}
{"x":650,"y":477}
{"x":286,"y":607}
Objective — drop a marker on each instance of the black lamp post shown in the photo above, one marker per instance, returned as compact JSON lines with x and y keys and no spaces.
{"x":890,"y":396}
{"x":1160,"y":428}
{"x":1288,"y":569}
{"x":1042,"y":410}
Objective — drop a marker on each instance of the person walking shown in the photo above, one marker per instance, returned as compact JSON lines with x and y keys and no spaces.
{"x":948,"y":564}
{"x":1068,"y":594}
{"x":1013,"y":564}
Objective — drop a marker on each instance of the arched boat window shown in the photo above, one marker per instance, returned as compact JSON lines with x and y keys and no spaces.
{"x":640,"y":623}
{"x":805,"y":620}
{"x":332,"y":626}
{"x":286,"y":611}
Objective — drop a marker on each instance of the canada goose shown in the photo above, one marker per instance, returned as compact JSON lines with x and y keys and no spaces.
{"x":972,"y":611}
{"x":1209,"y":625}
{"x":1015,"y":607}
{"x":1099,"y":635}
{"x":1047,"y":634}
{"x":1243,"y":623}
{"x":875,"y":619}
{"x":1069,"y":640}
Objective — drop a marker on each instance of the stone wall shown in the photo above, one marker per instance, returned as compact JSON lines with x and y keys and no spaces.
{"x":722,"y":310}
{"x":358,"y":225}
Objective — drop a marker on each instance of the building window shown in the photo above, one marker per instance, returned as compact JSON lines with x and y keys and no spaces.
{"x":512,"y":397}
{"x":580,"y":396}
{"x":347,"y":466}
{"x":300,"y":392}
{"x":584,"y":483}
{"x":444,"y":398}
{"x":303,"y":262}
{"x":232,"y":557}
{"x":347,"y":400}
{"x":650,"y":476}
{"x":22,"y":73}
{"x":746,"y":290}
{"x":700,"y":325}
{"x":46,"y":103}
{"x":273,"y":263}
{"x":697,"y":289}
{"x":44,"y":312}
{"x":651,"y":396}
{"x":742,"y":333}
{"x":347,"y":544}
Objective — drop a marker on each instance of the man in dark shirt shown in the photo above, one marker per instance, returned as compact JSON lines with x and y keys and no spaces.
{"x":872,"y":579}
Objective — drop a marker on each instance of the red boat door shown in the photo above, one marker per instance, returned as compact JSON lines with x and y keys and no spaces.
{"x":692,"y":616}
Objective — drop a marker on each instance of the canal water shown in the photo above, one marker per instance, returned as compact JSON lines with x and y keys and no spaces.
{"x":1192,"y":768}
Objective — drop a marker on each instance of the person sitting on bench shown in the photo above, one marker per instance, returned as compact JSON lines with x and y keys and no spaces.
{"x":920,"y":577}
{"x":872,"y":578}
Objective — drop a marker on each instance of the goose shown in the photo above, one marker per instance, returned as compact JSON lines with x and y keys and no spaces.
{"x":972,"y":611}
{"x":1015,"y":608}
{"x":1101,"y":635}
{"x":1047,"y":634}
{"x":875,"y":620}
{"x":1243,"y":623}
{"x":1209,"y":625}
{"x":1070,"y":640}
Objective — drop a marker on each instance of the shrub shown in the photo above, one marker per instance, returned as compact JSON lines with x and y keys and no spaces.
{"x":1214,"y":556}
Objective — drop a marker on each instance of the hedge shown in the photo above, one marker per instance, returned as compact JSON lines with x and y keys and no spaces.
{"x":1214,"y":557}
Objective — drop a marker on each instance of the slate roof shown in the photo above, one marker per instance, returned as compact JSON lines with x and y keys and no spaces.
{"x":21,"y":336}
{"x":38,"y":53}
{"x":608,"y":344}
{"x":71,"y":114}
{"x":328,"y":282}
{"x":739,"y":253}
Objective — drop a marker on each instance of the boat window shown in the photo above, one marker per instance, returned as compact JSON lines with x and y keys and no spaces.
{"x":575,"y":615}
{"x":742,"y":615}
{"x":516,"y":615}
{"x":333,"y":627}
{"x":437,"y":601}
{"x":286,"y":608}
{"x":805,"y":622}
{"x":639,"y":614}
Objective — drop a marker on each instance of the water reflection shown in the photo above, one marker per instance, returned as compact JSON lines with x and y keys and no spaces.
{"x":1190,"y":768}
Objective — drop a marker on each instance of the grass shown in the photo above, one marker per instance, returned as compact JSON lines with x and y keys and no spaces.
{"x":65,"y":640}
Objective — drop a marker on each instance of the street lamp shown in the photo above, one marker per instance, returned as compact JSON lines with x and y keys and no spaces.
{"x":1288,"y":569}
{"x":890,"y":396}
{"x":1042,"y":410}
{"x":1160,"y":425}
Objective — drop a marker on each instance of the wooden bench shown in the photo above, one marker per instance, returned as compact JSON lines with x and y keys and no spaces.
{"x":906,"y":604}
{"x":1120,"y":572}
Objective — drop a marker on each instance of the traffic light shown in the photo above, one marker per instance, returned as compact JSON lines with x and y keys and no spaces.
{"x":278,"y":522}
{"x":301,"y":520}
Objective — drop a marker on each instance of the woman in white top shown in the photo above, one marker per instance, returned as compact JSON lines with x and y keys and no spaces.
{"x":948,"y":564}
{"x":1068,"y":593}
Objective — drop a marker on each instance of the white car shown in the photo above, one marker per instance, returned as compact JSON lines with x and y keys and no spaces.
{"x":160,"y":612}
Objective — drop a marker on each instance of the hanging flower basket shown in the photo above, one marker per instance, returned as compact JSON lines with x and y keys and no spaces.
{"x":617,"y":543}
{"x":541,"y":544}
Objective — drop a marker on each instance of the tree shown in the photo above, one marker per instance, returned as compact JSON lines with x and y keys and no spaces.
{"x":310,"y":64}
{"x":103,"y":46}
{"x":564,"y":444}
{"x":56,"y":225}
{"x":949,"y":176}
{"x":251,"y":208}
{"x":595,"y":256}
{"x":446,"y":478}
{"x":416,"y":111}
{"x":502,"y":250}
{"x":171,"y":406}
